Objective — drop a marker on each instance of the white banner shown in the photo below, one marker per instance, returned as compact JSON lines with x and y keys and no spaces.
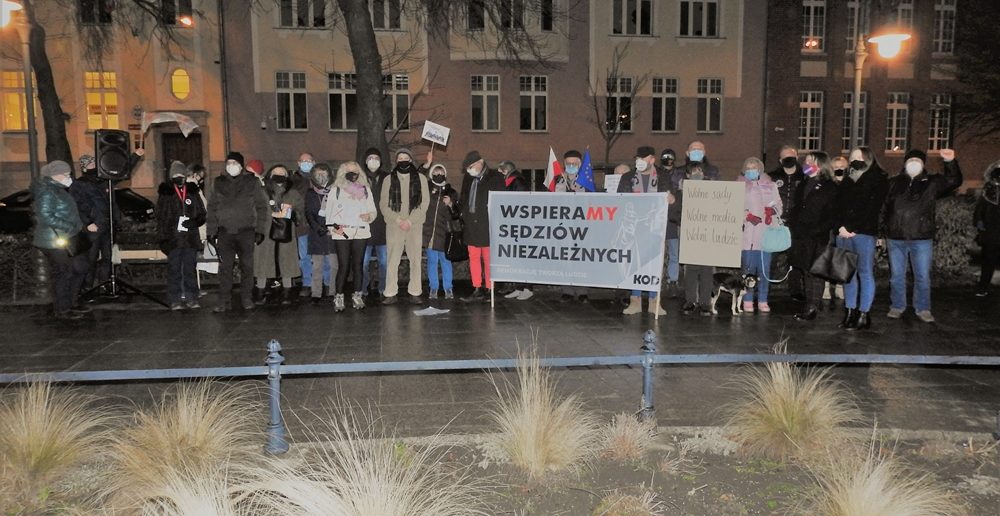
{"x":608,"y":240}
{"x":712,"y":223}
{"x":436,"y":133}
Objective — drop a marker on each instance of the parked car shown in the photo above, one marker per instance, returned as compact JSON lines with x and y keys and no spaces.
{"x":16,"y":214}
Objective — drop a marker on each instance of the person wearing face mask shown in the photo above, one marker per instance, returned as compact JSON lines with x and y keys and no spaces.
{"x":443,"y":201}
{"x":180,"y":211}
{"x":910,"y":226}
{"x":567,"y":182}
{"x":376,"y":244}
{"x":698,"y":280}
{"x":301,"y":182}
{"x":57,"y":221}
{"x":320,"y":248}
{"x":477,"y":184}
{"x":279,"y":259}
{"x":403,"y":202}
{"x":839,"y":167}
{"x":986,"y":219}
{"x":514,"y":181}
{"x":350,"y":210}
{"x":788,"y":177}
{"x":860,"y":198}
{"x":811,"y":226}
{"x":646,"y":178}
{"x":762,"y":206}
{"x":237,"y":219}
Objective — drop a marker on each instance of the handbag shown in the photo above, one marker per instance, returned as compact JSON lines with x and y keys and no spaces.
{"x":282,"y":230}
{"x":454,"y":247}
{"x":75,"y":245}
{"x":776,"y":238}
{"x":835,"y":264}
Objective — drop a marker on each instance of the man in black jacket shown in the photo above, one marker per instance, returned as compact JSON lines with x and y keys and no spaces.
{"x":788,"y":177}
{"x":477,"y":184}
{"x":179,"y":214}
{"x":237,"y":217}
{"x":376,"y":244}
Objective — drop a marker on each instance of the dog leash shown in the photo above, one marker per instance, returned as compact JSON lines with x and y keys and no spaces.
{"x":764,"y":272}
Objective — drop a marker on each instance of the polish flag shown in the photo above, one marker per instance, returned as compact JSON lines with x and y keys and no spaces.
{"x":552,"y":171}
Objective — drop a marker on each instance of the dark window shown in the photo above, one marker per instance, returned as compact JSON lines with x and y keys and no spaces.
{"x":477,"y":15}
{"x":95,"y":11}
{"x":547,"y":14}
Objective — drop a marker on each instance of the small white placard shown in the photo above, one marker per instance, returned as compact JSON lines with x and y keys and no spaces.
{"x":436,"y":133}
{"x":611,"y":182}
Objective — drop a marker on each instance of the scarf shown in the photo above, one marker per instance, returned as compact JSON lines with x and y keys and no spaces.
{"x":395,"y":193}
{"x":637,"y":182}
{"x":356,"y":191}
{"x":323,"y":193}
{"x":472,"y":193}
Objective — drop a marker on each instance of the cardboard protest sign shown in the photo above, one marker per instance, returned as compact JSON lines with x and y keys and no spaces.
{"x":712,"y":223}
{"x":436,"y":133}
{"x":611,"y":182}
{"x":585,"y":239}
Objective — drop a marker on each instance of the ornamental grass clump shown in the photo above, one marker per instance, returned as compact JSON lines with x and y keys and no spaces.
{"x":627,"y":437}
{"x":361,"y":470}
{"x":45,"y":432}
{"x":537,"y":430}
{"x":196,"y":429}
{"x":787,"y":411}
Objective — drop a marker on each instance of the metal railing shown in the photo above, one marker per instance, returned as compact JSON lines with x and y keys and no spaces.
{"x":274,"y":369}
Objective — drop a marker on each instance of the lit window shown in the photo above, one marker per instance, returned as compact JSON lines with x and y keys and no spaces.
{"x":699,"y":18}
{"x":709,"y":105}
{"x":939,"y":136}
{"x":810,"y":120}
{"x":485,"y":102}
{"x":813,"y":25}
{"x":897,"y":123}
{"x":13,"y":110}
{"x":101,"y":92}
{"x":664,"y":105}
{"x":534,"y":102}
{"x":180,"y":84}
{"x":290,"y":93}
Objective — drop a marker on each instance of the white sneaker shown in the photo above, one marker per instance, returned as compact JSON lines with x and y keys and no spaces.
{"x":525,"y":295}
{"x":513,"y":295}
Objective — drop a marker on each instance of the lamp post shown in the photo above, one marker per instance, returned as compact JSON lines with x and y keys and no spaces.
{"x":888,"y":43}
{"x":23,"y":26}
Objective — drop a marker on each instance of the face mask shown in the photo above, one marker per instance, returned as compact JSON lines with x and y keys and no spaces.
{"x":641,"y":165}
{"x":914,"y":168}
{"x":696,"y":155}
{"x":788,"y":162}
{"x":438,"y":179}
{"x":404,"y":166}
{"x":321,"y":179}
{"x":572,"y":169}
{"x":179,"y":180}
{"x":838,"y":172}
{"x":858,"y":164}
{"x":305,"y":167}
{"x":234,"y":169}
{"x":472,"y":172}
{"x":67,"y":181}
{"x":373,"y":164}
{"x":752,"y":175}
{"x":810,"y":170}
{"x":279,"y":180}
{"x":352,"y":176}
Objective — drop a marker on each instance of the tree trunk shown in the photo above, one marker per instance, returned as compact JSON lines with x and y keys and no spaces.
{"x":368,"y":67}
{"x":53,"y":118}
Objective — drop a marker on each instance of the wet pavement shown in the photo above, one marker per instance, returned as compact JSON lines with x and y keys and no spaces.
{"x":140,"y":335}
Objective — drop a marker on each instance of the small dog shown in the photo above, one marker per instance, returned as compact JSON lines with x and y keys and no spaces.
{"x":736,"y":284}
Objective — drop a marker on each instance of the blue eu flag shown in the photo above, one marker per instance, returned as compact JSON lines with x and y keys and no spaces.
{"x":586,"y":177}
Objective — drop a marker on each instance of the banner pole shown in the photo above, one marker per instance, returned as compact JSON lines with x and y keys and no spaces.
{"x":493,"y":297}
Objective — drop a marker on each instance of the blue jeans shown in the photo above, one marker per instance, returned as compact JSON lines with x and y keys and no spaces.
{"x":864,"y":246}
{"x":919,"y":254}
{"x":305,"y":264}
{"x":757,"y":263}
{"x":433,"y":259}
{"x":382,"y":252}
{"x":638,"y":293}
{"x":673,"y":259}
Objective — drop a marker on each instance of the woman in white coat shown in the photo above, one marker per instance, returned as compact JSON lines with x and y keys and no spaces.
{"x":350,"y":209}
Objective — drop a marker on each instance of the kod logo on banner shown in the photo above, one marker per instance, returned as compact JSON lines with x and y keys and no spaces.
{"x":586,"y":239}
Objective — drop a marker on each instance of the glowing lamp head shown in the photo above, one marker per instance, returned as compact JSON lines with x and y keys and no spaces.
{"x":61,"y":242}
{"x":185,"y":21}
{"x":7,"y":9}
{"x":889,"y":44}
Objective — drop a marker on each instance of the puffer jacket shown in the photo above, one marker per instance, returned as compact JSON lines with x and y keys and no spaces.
{"x":859,"y":203}
{"x":439,"y":216}
{"x":760,"y":195}
{"x":170,"y":207}
{"x":237,"y":203}
{"x":56,"y":215}
{"x":910,"y":205}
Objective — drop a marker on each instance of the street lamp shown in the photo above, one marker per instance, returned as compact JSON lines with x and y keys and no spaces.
{"x":888,"y":43}
{"x":7,"y":10}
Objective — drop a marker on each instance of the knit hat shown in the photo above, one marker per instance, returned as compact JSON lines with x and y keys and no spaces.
{"x":404,"y":150}
{"x":237,"y":157}
{"x":256,"y":166}
{"x":915,"y":153}
{"x":573,"y":154}
{"x":470,"y":158}
{"x":373,"y":151}
{"x":86,"y":160}
{"x":644,"y":151}
{"x":177,"y":169}
{"x":668,"y":154}
{"x":54,"y":168}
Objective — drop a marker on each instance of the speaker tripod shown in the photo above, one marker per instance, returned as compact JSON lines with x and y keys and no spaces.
{"x":113,"y":284}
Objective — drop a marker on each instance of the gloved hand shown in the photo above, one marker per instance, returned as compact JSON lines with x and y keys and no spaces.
{"x":190,"y":224}
{"x":753,"y":219}
{"x":258,"y":238}
{"x":768,"y":215}
{"x":322,"y":231}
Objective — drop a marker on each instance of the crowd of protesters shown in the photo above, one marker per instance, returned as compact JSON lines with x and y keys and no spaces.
{"x":341,"y":233}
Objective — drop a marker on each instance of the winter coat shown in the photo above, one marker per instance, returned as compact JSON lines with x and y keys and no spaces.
{"x":986,"y":217}
{"x":318,"y":240}
{"x":279,"y":259}
{"x":477,"y":223}
{"x":859,"y":203}
{"x":812,"y":215}
{"x":439,"y":217}
{"x":301,"y":183}
{"x":377,"y":226}
{"x":677,"y":178}
{"x":788,"y":185}
{"x":91,"y":196}
{"x":55,"y":211}
{"x":515,"y":182}
{"x":416,"y":216}
{"x":170,"y":207}
{"x":237,"y":203}
{"x":340,"y":207}
{"x":664,"y":183}
{"x":910,"y":205}
{"x":760,"y":194}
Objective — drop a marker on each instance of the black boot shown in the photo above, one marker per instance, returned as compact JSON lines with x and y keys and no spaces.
{"x":849,"y":315}
{"x":852,"y":325}
{"x":258,"y":296}
{"x":863,"y":323}
{"x":808,"y":315}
